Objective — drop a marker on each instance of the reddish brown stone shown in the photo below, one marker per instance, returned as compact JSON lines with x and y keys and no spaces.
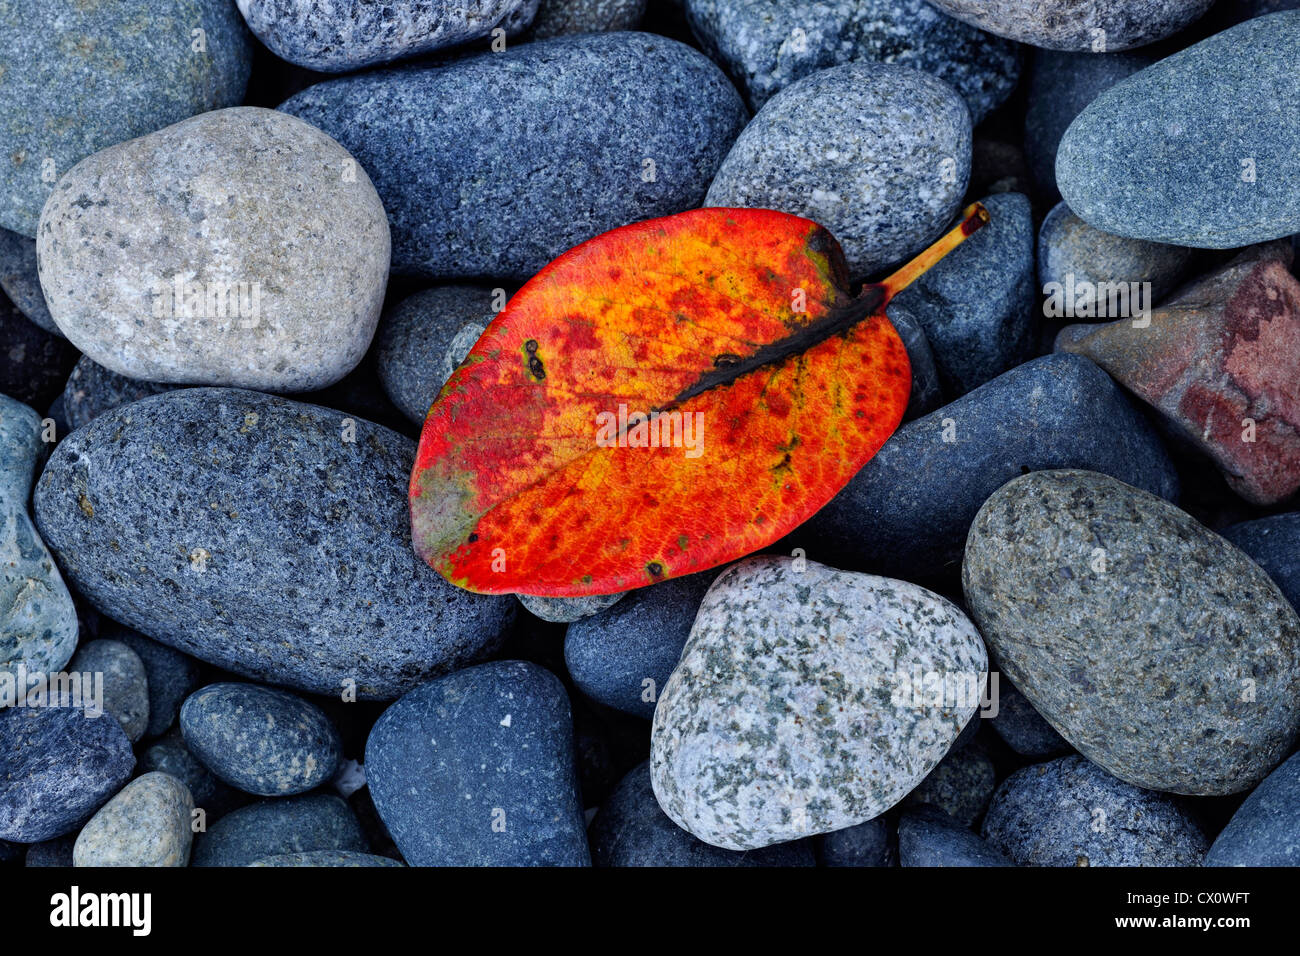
{"x":1219,"y":354}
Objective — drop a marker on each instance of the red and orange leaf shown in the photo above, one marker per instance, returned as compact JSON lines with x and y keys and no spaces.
{"x":738,"y":318}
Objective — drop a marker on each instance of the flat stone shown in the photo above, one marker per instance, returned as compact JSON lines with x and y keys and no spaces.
{"x":1198,"y":149}
{"x":796,"y":707}
{"x":146,"y":824}
{"x":154,"y":269}
{"x":1070,"y":812}
{"x":475,"y":199}
{"x":477,"y":769}
{"x":126,"y":685}
{"x":1198,"y":692}
{"x":1067,"y":25}
{"x":302,"y":824}
{"x":1216,"y":360}
{"x":878,"y":154}
{"x":192,"y":518}
{"x":262,"y":740}
{"x":1265,"y":830}
{"x":74,"y":80}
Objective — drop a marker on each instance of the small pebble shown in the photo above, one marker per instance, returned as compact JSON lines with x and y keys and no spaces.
{"x":146,"y":824}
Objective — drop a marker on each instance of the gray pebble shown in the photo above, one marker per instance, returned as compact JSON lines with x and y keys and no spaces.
{"x":146,"y":824}
{"x":126,"y":685}
{"x":314,"y":821}
{"x":1094,"y":26}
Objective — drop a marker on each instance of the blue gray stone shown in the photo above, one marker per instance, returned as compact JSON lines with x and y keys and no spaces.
{"x":1274,"y":544}
{"x":348,"y":858}
{"x":20,"y":281}
{"x":929,"y":837}
{"x":562,"y":17}
{"x":927,"y":392}
{"x":631,"y":829}
{"x":262,"y":740}
{"x":878,"y":154}
{"x":313,"y":821}
{"x":1070,"y":25}
{"x":76,"y":78}
{"x":623,"y":656}
{"x":58,"y":765}
{"x":1070,"y":812}
{"x":477,"y":769}
{"x":1197,"y":150}
{"x":768,"y":44}
{"x":170,"y":755}
{"x":978,"y":304}
{"x":263,"y":535}
{"x":566,"y":610}
{"x":871,"y":844}
{"x":38,"y":621}
{"x":907,"y":511}
{"x":126,"y":684}
{"x":335,"y":36}
{"x":496,"y":164}
{"x":93,"y":389}
{"x":1265,"y":830}
{"x":170,"y":675}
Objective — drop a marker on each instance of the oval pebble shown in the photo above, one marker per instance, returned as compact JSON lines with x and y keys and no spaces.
{"x":169,"y":675}
{"x":146,"y":824}
{"x":302,"y":824}
{"x":125,"y":683}
{"x":1265,"y":830}
{"x":1070,"y":25}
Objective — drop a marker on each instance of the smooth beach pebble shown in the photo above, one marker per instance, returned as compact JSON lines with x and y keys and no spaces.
{"x":1197,"y":693}
{"x":302,"y":824}
{"x":1265,"y":830}
{"x":751,"y":745}
{"x":567,"y":610}
{"x":325,"y":858}
{"x":1095,"y":27}
{"x":125,"y":682}
{"x":169,"y":674}
{"x":870,"y":844}
{"x":262,"y":740}
{"x":262,"y":535}
{"x":878,"y":154}
{"x":929,"y":837}
{"x":146,"y":824}
{"x":193,"y":255}
{"x":630,"y":125}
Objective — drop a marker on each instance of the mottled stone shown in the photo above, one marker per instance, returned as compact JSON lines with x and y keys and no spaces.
{"x":1265,"y":830}
{"x":1195,"y":690}
{"x":927,"y":392}
{"x":190,"y":256}
{"x":978,"y":304}
{"x":907,"y":511}
{"x":170,"y":675}
{"x":871,"y":844}
{"x":1197,"y":150}
{"x":125,"y":683}
{"x":1094,"y":26}
{"x":313,"y":821}
{"x":1217,"y":360}
{"x":347,"y":858}
{"x":929,"y":837}
{"x":960,"y":786}
{"x":424,"y":338}
{"x":878,"y":154}
{"x":768,"y":44}
{"x":146,"y":824}
{"x":335,"y":36}
{"x":624,"y":656}
{"x":34,"y":364}
{"x":38,"y":621}
{"x":1274,"y":544}
{"x":632,"y":830}
{"x":1022,"y":728}
{"x":19,"y":279}
{"x":262,"y":740}
{"x":263,"y":535}
{"x":93,"y":390}
{"x":562,"y":17}
{"x":796,"y":708}
{"x":57,"y":766}
{"x":477,"y":769}
{"x":76,"y":78}
{"x":567,"y":610}
{"x":1078,"y":258}
{"x":1070,"y":812}
{"x":495,"y":164}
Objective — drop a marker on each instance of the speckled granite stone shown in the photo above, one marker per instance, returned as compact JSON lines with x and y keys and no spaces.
{"x":313,"y":821}
{"x":93,"y":389}
{"x":978,"y":305}
{"x":768,"y":44}
{"x":496,"y":164}
{"x":146,"y":824}
{"x":1070,"y":25}
{"x":562,"y":17}
{"x":960,"y":786}
{"x":612,"y":655}
{"x":262,"y":740}
{"x":477,"y":769}
{"x":878,"y":154}
{"x":1197,"y":692}
{"x":347,"y":858}
{"x":1070,"y":812}
{"x":797,"y":707}
{"x":1197,"y":150}
{"x":631,"y":830}
{"x":567,"y":610}
{"x":38,"y":621}
{"x":1265,"y":830}
{"x":76,"y":78}
{"x":126,"y":686}
{"x":263,"y":535}
{"x":20,"y":281}
{"x":1274,"y":544}
{"x":907,"y":511}
{"x":170,"y":675}
{"x":929,"y":837}
{"x":217,"y":201}
{"x":424,"y":338}
{"x":57,"y":766}
{"x":34,"y":363}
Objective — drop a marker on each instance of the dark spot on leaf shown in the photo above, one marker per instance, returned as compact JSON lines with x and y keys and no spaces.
{"x":655,"y":568}
{"x":473,"y":537}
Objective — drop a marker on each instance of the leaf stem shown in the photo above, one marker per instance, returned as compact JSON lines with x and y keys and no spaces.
{"x":974,"y":217}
